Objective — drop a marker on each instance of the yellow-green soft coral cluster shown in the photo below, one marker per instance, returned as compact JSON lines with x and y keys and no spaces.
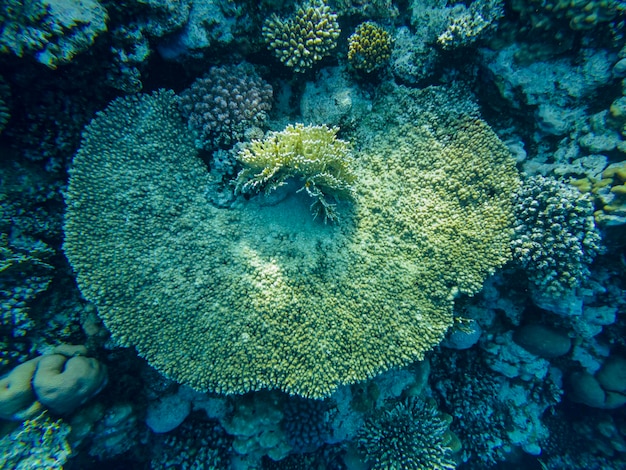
{"x":311,"y":154}
{"x":369,"y":47}
{"x":304,"y":37}
{"x":261,"y":296}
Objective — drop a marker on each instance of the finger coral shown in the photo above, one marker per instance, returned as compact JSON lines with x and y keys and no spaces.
{"x":311,"y":154}
{"x":369,"y":47}
{"x":303,"y":38}
{"x":225,"y":103}
{"x":413,"y":435}
{"x":555,"y":234}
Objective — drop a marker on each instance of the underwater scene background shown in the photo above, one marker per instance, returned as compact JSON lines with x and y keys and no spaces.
{"x":341,"y":234}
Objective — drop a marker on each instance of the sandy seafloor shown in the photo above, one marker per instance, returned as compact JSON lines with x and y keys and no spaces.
{"x":358,"y":234}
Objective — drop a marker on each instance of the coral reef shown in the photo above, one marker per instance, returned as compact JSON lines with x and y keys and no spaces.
{"x":273,"y":340}
{"x":413,"y":435}
{"x":226,"y":103}
{"x":210,"y":24}
{"x":305,"y":424}
{"x":369,"y":47}
{"x":333,"y":99}
{"x":53,"y":31}
{"x":39,"y":442}
{"x":312,"y":154}
{"x":304,"y":37}
{"x":547,"y":14}
{"x":467,"y":24}
{"x":25,"y":273}
{"x":262,"y":314}
{"x":555,"y":235}
{"x":198,"y":443}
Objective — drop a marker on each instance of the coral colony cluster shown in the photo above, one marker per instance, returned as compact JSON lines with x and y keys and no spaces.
{"x":342,"y":234}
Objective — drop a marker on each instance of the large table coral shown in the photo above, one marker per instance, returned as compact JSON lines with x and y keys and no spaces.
{"x":260,"y":295}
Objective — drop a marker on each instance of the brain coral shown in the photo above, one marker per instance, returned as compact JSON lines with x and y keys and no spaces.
{"x":260,"y":295}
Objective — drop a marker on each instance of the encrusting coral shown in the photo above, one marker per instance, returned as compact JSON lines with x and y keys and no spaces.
{"x":369,"y":48}
{"x":303,"y":38}
{"x":259,"y":295}
{"x":312,"y":154}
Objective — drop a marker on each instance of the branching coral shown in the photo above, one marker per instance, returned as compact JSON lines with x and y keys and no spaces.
{"x":303,"y":38}
{"x":369,"y":47}
{"x":312,"y":154}
{"x":38,"y":443}
{"x":225,"y":103}
{"x":413,"y":435}
{"x":556,"y":237}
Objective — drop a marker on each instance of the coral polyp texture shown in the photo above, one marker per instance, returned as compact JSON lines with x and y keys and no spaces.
{"x":413,"y":435}
{"x":369,"y":47}
{"x":53,"y":31}
{"x":467,"y":24}
{"x":225,"y":103}
{"x":579,"y":15}
{"x":312,"y":155}
{"x":39,"y":442}
{"x":260,"y":295}
{"x":303,"y":38}
{"x":555,"y":234}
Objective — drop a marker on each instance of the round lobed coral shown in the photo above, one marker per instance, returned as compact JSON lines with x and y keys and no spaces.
{"x":260,"y":296}
{"x":225,"y":103}
{"x":303,"y":38}
{"x":369,"y":47}
{"x":413,"y":435}
{"x":579,"y":14}
{"x":312,"y":154}
{"x":52,"y":381}
{"x":555,"y":235}
{"x":609,"y":193}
